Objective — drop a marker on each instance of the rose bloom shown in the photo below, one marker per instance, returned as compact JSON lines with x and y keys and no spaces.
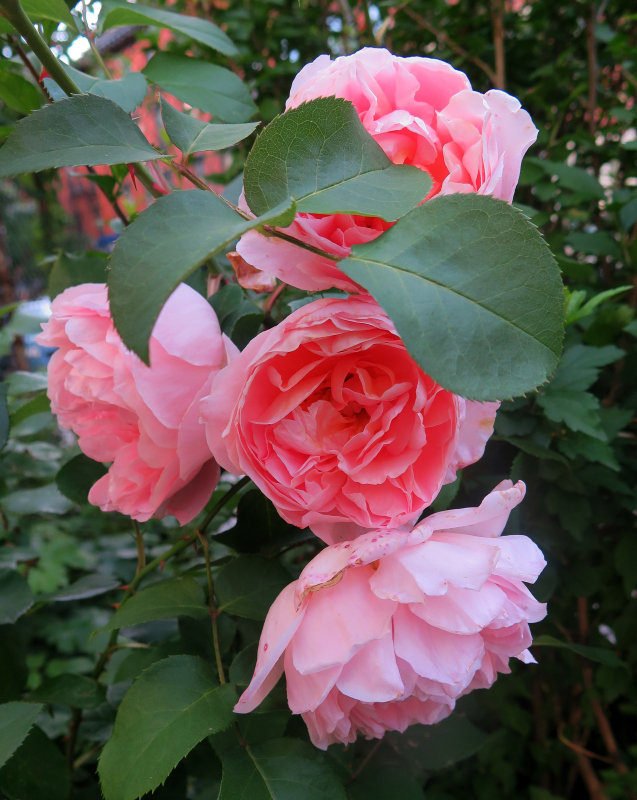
{"x":390,"y":629}
{"x":336,"y":423}
{"x":145,"y":420}
{"x":422,"y":112}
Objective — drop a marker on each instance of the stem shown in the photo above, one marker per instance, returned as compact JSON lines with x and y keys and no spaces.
{"x":497,"y":20}
{"x":268,"y":230}
{"x":213,"y":609}
{"x":442,"y":37}
{"x":90,"y":35}
{"x":141,"y":553}
{"x":14,"y":12}
{"x":591,"y":55}
{"x":176,"y":548}
{"x":236,"y":487}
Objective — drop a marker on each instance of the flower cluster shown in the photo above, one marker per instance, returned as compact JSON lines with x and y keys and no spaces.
{"x":333,"y":420}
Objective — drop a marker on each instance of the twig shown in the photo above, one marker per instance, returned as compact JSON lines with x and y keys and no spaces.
{"x":591,"y":54}
{"x":443,"y":37}
{"x":497,"y":22}
{"x":141,"y":553}
{"x":214,"y":613}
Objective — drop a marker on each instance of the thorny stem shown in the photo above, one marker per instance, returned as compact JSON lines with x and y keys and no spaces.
{"x":14,"y":12}
{"x":141,"y":553}
{"x":213,"y":609}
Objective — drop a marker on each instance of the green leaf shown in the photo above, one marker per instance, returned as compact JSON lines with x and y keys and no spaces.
{"x":247,"y":586}
{"x":178,"y":597}
{"x":574,"y":178}
{"x":599,"y":654}
{"x":205,"y":86}
{"x":80,"y":130}
{"x":88,"y":586}
{"x":36,"y":405}
{"x":55,"y":10}
{"x":474,"y":292}
{"x":169,"y":241}
{"x":5,"y":26}
{"x":44,"y":500}
{"x":191,"y":135}
{"x":320,"y":154}
{"x":385,"y":783}
{"x":128,"y":91}
{"x":580,"y":366}
{"x":577,"y":410}
{"x":4,"y":416}
{"x":281,"y":769}
{"x":259,"y":527}
{"x":171,"y":707}
{"x":77,"y":476}
{"x":15,"y":596}
{"x":599,"y":243}
{"x":16,"y":720}
{"x":73,"y":690}
{"x":37,"y":770}
{"x":18,"y":93}
{"x":70,"y":269}
{"x":576,"y":311}
{"x":196,"y":28}
{"x":239,"y":317}
{"x":441,"y":745}
{"x":13,"y":668}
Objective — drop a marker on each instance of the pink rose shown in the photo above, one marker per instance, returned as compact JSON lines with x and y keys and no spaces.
{"x":143,"y":419}
{"x":337,"y":424}
{"x":422,"y":112}
{"x":390,"y":629}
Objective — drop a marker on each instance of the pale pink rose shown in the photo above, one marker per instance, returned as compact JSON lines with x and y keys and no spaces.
{"x":422,"y":112}
{"x":337,"y":424}
{"x":391,"y":628}
{"x":145,"y":420}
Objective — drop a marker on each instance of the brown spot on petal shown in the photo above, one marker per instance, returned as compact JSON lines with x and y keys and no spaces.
{"x":248,"y":276}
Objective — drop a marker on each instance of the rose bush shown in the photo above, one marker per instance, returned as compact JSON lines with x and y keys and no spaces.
{"x":145,"y":420}
{"x":422,"y":112}
{"x":337,"y":424}
{"x":390,"y":629}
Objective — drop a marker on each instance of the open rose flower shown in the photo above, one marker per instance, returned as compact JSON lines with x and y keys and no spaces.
{"x":337,"y":424}
{"x":422,"y":112}
{"x":390,"y":629}
{"x":145,"y":420}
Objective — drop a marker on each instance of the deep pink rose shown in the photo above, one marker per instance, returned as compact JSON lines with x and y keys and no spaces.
{"x":143,"y":419}
{"x":337,"y":424}
{"x":391,"y":628}
{"x":422,"y":112}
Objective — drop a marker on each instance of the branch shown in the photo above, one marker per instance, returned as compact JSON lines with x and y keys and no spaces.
{"x":442,"y":36}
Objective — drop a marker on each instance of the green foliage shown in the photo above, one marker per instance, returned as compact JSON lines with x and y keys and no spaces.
{"x":128,"y":92}
{"x":485,"y":326}
{"x":171,"y":238}
{"x":84,"y":129}
{"x":321,"y":156}
{"x":193,"y":136}
{"x":279,"y":769}
{"x":205,"y":86}
{"x":171,"y":707}
{"x":174,"y":598}
{"x":116,"y":13}
{"x":16,"y":720}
